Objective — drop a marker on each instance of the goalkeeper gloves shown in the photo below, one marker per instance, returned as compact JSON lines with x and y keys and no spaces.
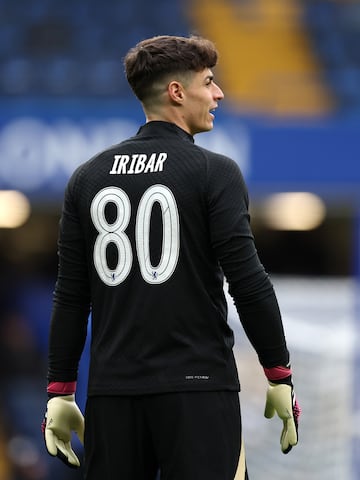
{"x":62,"y":417}
{"x":281,"y":399}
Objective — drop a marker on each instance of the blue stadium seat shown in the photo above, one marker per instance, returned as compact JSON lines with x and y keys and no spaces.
{"x":334,"y":28}
{"x":63,"y":76}
{"x":16,"y":76}
{"x":11,"y":40}
{"x":106,"y":77}
{"x":346,"y":84}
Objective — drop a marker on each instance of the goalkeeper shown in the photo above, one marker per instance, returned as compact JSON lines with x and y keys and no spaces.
{"x":149,"y":229}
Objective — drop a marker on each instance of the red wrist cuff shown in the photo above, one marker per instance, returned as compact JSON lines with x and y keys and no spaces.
{"x":277,"y":373}
{"x":61,"y":388}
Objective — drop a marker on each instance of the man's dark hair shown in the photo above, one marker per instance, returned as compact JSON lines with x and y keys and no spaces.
{"x":154,"y":59}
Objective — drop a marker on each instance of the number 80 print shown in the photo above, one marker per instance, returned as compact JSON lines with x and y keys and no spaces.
{"x":115,"y":233}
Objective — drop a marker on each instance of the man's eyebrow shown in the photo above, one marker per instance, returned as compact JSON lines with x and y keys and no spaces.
{"x":209,"y":77}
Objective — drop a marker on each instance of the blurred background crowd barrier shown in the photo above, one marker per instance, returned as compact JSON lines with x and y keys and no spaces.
{"x":290,"y":70}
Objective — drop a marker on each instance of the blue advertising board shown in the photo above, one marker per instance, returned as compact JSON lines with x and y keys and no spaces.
{"x":43,"y":141}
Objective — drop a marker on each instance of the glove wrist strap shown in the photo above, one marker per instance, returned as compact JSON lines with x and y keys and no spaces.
{"x":61,"y":388}
{"x":279,"y":374}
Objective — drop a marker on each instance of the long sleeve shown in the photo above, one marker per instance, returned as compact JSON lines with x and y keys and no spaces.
{"x":249,"y":284}
{"x":71,"y":304}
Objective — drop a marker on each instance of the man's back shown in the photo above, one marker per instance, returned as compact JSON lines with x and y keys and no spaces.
{"x":158,"y":307}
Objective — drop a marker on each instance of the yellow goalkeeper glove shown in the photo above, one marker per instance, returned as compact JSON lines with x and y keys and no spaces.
{"x":280,"y":398}
{"x":63,"y":416}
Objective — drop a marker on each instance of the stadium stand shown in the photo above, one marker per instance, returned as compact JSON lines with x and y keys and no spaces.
{"x":75,"y":48}
{"x":280,"y":57}
{"x":266,"y":59}
{"x":334,"y":27}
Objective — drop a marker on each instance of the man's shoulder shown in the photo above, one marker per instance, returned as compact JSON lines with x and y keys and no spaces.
{"x":98,"y":158}
{"x":217,"y":159}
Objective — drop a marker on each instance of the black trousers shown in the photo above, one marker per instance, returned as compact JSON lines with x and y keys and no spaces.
{"x":173,"y":436}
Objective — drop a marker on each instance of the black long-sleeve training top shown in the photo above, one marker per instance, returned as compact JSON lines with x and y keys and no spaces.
{"x":148,"y":230}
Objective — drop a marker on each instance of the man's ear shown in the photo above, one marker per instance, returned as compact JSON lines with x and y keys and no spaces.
{"x":176,"y":91}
